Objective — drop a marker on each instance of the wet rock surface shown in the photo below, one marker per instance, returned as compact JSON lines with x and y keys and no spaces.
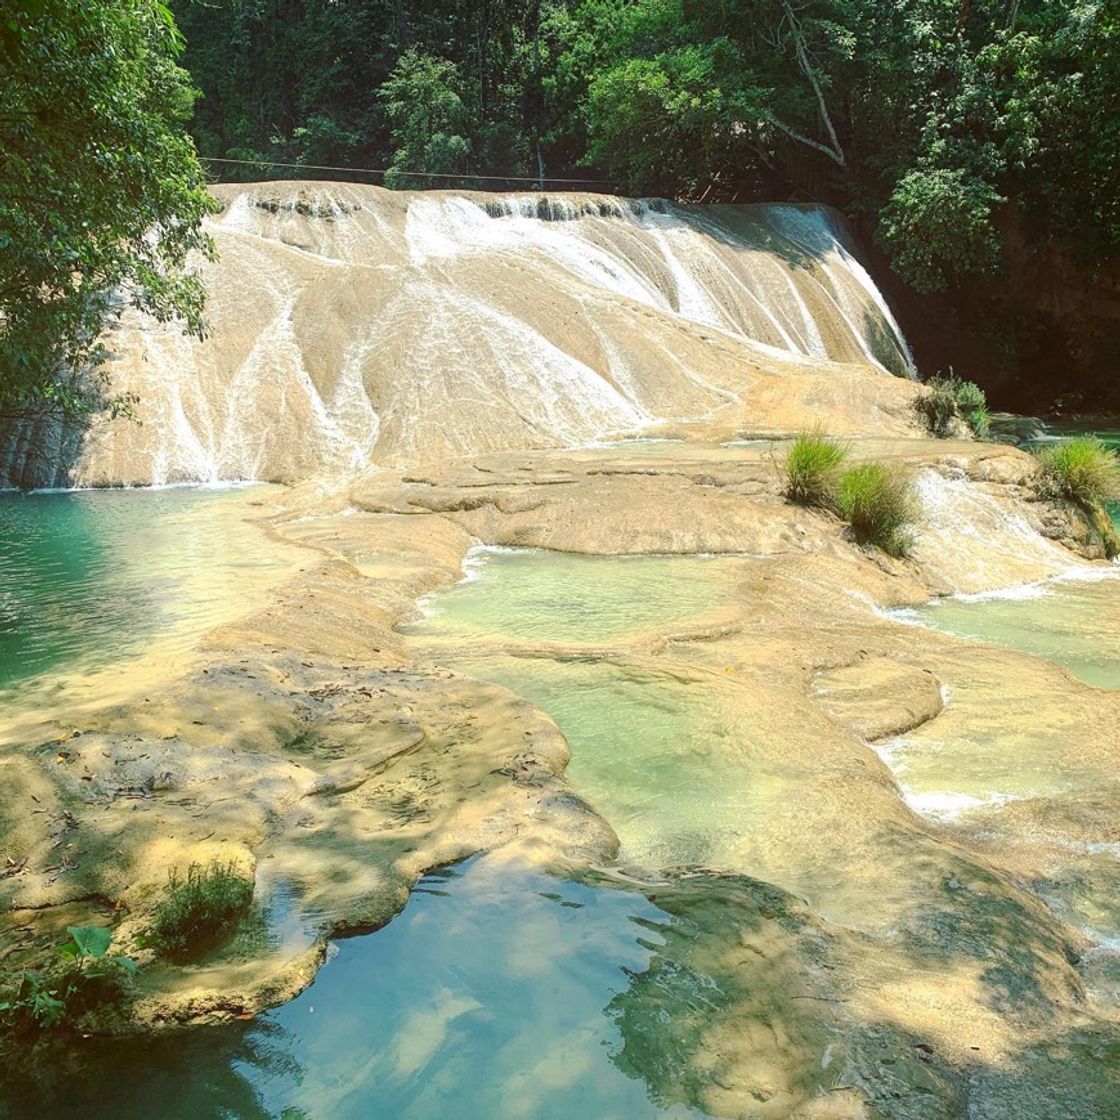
{"x":870,"y":960}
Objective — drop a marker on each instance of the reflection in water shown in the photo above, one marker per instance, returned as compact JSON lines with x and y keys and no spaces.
{"x":485,"y":998}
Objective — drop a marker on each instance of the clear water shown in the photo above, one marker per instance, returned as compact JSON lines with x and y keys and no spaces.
{"x":1073,"y":622}
{"x":664,"y":760}
{"x":1058,"y":429}
{"x":91,"y":578}
{"x":499,"y":992}
{"x":984,"y":768}
{"x":526,"y":597}
{"x":662,"y":757}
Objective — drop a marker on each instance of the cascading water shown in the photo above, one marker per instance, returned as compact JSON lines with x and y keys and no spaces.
{"x":352,"y":326}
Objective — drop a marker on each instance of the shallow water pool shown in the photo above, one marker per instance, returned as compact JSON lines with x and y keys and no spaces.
{"x":527,"y":596}
{"x":89,"y":579}
{"x":1075,"y":622}
{"x":663,"y":756}
{"x":500,"y":992}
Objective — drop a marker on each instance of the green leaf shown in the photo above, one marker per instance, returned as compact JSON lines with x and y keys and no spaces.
{"x":92,"y":941}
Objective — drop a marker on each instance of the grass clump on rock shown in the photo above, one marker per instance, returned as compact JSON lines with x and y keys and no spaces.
{"x":879,"y":503}
{"x":812,"y":469}
{"x":199,"y":911}
{"x":877,"y":500}
{"x":1082,"y":470}
{"x":950,"y":398}
{"x":1086,"y":472}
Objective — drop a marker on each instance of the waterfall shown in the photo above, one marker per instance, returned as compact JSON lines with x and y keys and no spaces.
{"x":352,"y":326}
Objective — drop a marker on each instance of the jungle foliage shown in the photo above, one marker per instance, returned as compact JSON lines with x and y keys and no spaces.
{"x":101,"y":194}
{"x":953,"y":133}
{"x":936,"y":122}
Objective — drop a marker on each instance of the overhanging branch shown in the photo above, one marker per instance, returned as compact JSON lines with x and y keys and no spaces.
{"x":837,"y":157}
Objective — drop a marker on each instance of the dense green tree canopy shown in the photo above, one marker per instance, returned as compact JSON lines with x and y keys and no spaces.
{"x":101,"y":194}
{"x":954,"y":132}
{"x":933,"y":120}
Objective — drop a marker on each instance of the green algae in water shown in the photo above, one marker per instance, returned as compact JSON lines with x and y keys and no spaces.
{"x":87,"y":577}
{"x":498,"y":992}
{"x":528,"y":596}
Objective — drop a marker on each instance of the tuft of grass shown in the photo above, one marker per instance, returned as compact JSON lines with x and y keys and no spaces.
{"x":879,"y":503}
{"x":812,"y":469}
{"x":1082,"y":470}
{"x":948,"y":398}
{"x":199,"y":911}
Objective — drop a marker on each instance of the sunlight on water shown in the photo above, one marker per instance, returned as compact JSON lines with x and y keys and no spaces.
{"x":528,"y":596}
{"x":93,"y":580}
{"x":1073,"y":622}
{"x":665,"y":759}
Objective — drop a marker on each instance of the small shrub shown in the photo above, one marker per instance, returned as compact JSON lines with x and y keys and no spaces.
{"x":812,"y":469}
{"x":86,"y":975}
{"x":968,"y":395}
{"x":949,"y":398}
{"x":879,"y":503}
{"x":938,"y":407}
{"x":200,"y":910}
{"x":980,"y":421}
{"x":1083,"y":470}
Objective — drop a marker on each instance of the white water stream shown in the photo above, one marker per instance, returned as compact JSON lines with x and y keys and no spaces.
{"x":351,"y":326}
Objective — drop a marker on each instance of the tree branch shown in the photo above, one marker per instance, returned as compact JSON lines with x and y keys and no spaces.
{"x":801,"y":138}
{"x":835,"y":152}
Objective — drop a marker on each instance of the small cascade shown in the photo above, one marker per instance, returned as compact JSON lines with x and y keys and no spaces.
{"x":351,"y":326}
{"x":974,"y":542}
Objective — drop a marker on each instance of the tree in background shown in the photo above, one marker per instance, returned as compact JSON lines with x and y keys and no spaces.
{"x":101,"y":194}
{"x":933,"y":119}
{"x":299,"y":81}
{"x":427,"y":119}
